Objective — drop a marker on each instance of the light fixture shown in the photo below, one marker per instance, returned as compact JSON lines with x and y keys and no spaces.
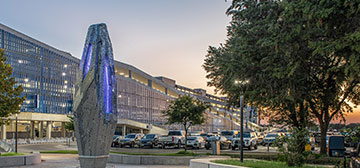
{"x":20,"y":61}
{"x":119,"y":96}
{"x":63,"y":74}
{"x":65,"y":86}
{"x":66,"y":82}
{"x":121,"y":73}
{"x":65,"y":65}
{"x":26,"y":80}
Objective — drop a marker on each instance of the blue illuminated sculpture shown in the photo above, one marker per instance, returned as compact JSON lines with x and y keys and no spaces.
{"x":95,"y":99}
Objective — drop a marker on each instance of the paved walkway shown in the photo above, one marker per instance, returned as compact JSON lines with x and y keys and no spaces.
{"x":71,"y":161}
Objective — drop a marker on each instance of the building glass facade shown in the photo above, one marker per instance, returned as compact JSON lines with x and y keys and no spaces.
{"x":142,"y":98}
{"x":46,"y":74}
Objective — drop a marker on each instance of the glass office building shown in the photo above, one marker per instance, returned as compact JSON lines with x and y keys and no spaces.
{"x":46,"y":73}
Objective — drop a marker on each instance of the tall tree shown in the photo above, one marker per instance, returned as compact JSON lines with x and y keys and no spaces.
{"x":10,"y":99}
{"x":186,"y":111}
{"x":300,"y":56}
{"x":331,"y":34}
{"x":252,"y":52}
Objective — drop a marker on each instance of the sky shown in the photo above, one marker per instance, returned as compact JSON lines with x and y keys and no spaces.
{"x":160,"y":37}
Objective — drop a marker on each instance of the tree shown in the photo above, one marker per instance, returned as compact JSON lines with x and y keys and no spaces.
{"x":301,"y":56}
{"x":253,"y":52}
{"x":331,"y":34}
{"x":70,"y":125}
{"x":186,"y":111}
{"x":10,"y":99}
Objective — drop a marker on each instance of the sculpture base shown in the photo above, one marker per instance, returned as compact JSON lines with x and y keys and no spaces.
{"x":93,"y":161}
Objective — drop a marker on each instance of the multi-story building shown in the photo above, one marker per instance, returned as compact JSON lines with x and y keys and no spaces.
{"x":142,"y":98}
{"x":48,"y":77}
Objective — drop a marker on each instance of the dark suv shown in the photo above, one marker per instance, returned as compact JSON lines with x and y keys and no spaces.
{"x":151,"y":140}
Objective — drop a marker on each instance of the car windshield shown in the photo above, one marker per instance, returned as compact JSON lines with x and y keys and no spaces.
{"x":246,"y":135}
{"x":175,"y":133}
{"x":203,"y":135}
{"x":191,"y":138}
{"x":272,"y":135}
{"x":214,"y":138}
{"x":130,"y":136}
{"x":227,"y":133}
{"x":151,"y":136}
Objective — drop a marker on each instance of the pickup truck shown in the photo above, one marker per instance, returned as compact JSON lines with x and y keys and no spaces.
{"x":174,"y":138}
{"x":250,"y":140}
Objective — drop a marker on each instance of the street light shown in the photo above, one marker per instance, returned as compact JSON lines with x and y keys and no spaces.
{"x":239,"y":82}
{"x":16,"y":133}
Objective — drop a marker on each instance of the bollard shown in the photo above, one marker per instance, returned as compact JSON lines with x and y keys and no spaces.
{"x":268,"y":147}
{"x":344,"y":161}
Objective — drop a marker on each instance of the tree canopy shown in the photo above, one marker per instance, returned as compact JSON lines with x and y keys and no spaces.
{"x":186,"y":111}
{"x":301,"y":57}
{"x":70,"y":125}
{"x":10,"y":99}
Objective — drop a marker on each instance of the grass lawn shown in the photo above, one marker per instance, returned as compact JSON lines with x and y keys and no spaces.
{"x":260,"y":164}
{"x":180,"y":153}
{"x":12,"y":154}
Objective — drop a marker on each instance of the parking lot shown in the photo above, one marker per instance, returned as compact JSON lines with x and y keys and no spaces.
{"x":261,"y":149}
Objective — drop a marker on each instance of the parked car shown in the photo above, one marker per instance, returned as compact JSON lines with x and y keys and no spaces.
{"x":131,"y":139}
{"x":116,"y":142}
{"x":196,"y":142}
{"x":194,"y":133}
{"x":207,"y":135}
{"x":224,"y":143}
{"x":260,"y":136}
{"x":270,"y":138}
{"x":151,"y":140}
{"x":229,"y":134}
{"x":174,"y":138}
{"x":336,"y":145}
{"x":250,"y":140}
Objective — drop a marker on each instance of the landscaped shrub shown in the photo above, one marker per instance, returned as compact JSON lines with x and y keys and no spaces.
{"x":292,"y":147}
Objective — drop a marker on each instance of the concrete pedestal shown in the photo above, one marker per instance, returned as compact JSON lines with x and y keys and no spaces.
{"x":93,"y":161}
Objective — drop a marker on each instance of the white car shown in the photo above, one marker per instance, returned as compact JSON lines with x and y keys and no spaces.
{"x":250,"y":140}
{"x":196,"y":142}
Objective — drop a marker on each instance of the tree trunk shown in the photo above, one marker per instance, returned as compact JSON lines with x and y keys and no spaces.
{"x":323,"y":131}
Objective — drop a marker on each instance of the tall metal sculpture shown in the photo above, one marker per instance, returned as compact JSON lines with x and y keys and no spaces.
{"x":95,"y":99}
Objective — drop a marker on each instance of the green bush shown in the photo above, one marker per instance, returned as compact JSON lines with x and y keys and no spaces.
{"x":292,"y":147}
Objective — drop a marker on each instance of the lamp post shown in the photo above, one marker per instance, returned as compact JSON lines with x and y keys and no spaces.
{"x":241,"y":118}
{"x":16,"y":133}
